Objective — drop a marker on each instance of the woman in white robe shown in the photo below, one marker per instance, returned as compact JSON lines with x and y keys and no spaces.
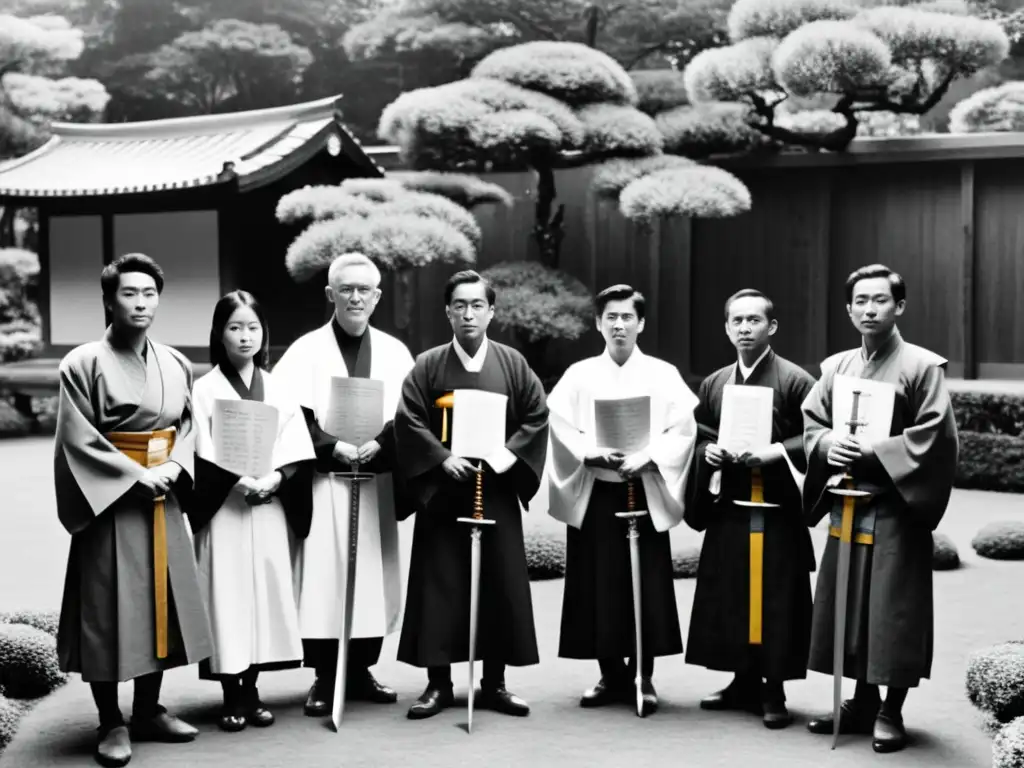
{"x":245,"y":527}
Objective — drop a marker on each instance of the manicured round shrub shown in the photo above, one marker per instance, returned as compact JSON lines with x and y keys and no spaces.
{"x":729,"y":73}
{"x":659,"y":89}
{"x":830,"y":57}
{"x":28,"y":662}
{"x":461,"y":188}
{"x":613,"y":176}
{"x":944,"y":553}
{"x":995,"y":680}
{"x":538,"y":302}
{"x":777,"y":18}
{"x":685,"y":562}
{"x":710,"y":128}
{"x":1000,"y":108}
{"x":545,"y":556}
{"x":48,"y":621}
{"x":616,"y":129}
{"x":698,"y":191}
{"x":1001,"y":540}
{"x":1008,"y":745}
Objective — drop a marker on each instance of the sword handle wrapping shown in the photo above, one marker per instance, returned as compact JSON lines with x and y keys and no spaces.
{"x":630,"y":496}
{"x":478,"y":496}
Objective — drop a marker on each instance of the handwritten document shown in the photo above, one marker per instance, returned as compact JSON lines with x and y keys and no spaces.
{"x":244,"y":433}
{"x":478,"y":425}
{"x":355,"y":414}
{"x":623,"y":424}
{"x":875,"y":407}
{"x":746,"y":423}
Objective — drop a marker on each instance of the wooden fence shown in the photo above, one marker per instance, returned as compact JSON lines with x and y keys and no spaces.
{"x":947,"y":212}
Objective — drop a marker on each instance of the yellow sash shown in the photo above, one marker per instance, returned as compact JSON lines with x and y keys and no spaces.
{"x":151,"y":449}
{"x":756,"y":556}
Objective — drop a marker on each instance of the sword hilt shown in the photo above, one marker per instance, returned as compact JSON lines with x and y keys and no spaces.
{"x":631,"y":513}
{"x":478,"y":494}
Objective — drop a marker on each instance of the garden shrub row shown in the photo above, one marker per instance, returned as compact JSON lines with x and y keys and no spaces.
{"x":29,"y":668}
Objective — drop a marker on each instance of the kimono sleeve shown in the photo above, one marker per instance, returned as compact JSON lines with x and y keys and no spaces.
{"x":529,"y":443}
{"x":569,"y":480}
{"x":672,"y":452}
{"x":798,"y":386}
{"x":921,"y":462}
{"x":699,"y":500}
{"x":295,"y":449}
{"x":212,"y":482}
{"x":183,"y":452}
{"x":818,"y":437}
{"x":419,"y":452}
{"x":90,"y":474}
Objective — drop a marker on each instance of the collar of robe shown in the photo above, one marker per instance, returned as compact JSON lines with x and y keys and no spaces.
{"x":634,"y":358}
{"x":121,"y":343}
{"x":886,"y":348}
{"x":255,"y":389}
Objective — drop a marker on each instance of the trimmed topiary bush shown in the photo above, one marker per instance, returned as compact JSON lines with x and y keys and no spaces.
{"x":28,"y":662}
{"x":10,"y":716}
{"x":990,"y":462}
{"x":659,"y":90}
{"x":685,"y":562}
{"x":1001,"y":541}
{"x":1000,"y":108}
{"x":545,"y":556}
{"x":1008,"y":745}
{"x":988,"y":412}
{"x":48,"y":621}
{"x":995,"y":680}
{"x":944,"y":553}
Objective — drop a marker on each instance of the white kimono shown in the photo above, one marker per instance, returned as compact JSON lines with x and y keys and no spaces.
{"x":572,"y":434}
{"x":308,"y":365}
{"x":244,"y":552}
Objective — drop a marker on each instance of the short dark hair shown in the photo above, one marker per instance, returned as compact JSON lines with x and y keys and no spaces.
{"x":620,"y":292}
{"x":769,"y":305}
{"x":896,"y":284}
{"x":222,"y":312}
{"x":110,"y":277}
{"x":464,"y":277}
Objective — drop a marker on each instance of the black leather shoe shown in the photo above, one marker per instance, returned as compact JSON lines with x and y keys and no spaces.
{"x":500,"y":700}
{"x":320,"y":699}
{"x":256,"y":712}
{"x":231,"y":720}
{"x":733,"y":697}
{"x":650,"y":697}
{"x":889,"y":734}
{"x":852,"y":721}
{"x":164,"y":728}
{"x":776,"y":715}
{"x":366,"y":688}
{"x":431,"y":702}
{"x":605,"y":692}
{"x":114,"y":748}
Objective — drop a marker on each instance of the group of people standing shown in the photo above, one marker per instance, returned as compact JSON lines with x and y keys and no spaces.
{"x":242,"y":574}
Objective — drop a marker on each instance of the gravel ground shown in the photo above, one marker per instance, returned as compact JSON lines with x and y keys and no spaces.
{"x":970,"y":613}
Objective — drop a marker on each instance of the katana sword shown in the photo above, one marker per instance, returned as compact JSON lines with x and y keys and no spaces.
{"x":475,"y":534}
{"x":348,"y":584}
{"x":633,"y":537}
{"x":850,"y":496}
{"x":757,"y":504}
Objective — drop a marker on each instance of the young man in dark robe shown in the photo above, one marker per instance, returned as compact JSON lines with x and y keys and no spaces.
{"x":348,"y":346}
{"x":112,"y":627}
{"x":890,"y":620}
{"x":588,"y":485}
{"x":435,"y":631}
{"x":720,"y":624}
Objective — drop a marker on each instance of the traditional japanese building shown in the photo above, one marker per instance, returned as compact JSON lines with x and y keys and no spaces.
{"x":197,"y":194}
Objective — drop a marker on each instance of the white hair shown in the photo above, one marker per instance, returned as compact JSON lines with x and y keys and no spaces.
{"x":348,"y":260}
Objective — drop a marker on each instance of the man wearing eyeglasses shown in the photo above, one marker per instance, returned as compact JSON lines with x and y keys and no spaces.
{"x":347,"y":346}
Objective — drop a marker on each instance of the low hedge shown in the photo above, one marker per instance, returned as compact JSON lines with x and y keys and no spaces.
{"x":685,"y":562}
{"x":29,"y":667}
{"x":944,"y":553}
{"x":10,"y":716}
{"x":47,"y":621}
{"x":1008,"y":745}
{"x":1001,"y":540}
{"x":545,"y":556}
{"x":995,"y":680}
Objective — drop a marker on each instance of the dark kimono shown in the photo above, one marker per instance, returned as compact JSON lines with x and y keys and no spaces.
{"x":107,"y":629}
{"x":890,"y":610}
{"x":435,"y":630}
{"x":719,"y":636}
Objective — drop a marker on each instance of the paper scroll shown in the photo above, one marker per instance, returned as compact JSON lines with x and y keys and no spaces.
{"x":746,"y":423}
{"x":478,"y":426}
{"x":876,"y":405}
{"x":623,"y":424}
{"x":244,"y":434}
{"x":355,"y":414}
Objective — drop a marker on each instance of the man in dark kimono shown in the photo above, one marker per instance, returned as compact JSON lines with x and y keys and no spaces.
{"x":111,"y":624}
{"x":588,"y":485}
{"x":720,"y":624}
{"x":890,"y":620}
{"x":435,"y":631}
{"x":348,"y":346}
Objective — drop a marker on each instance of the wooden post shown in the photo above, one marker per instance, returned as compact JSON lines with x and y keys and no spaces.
{"x":968,"y":316}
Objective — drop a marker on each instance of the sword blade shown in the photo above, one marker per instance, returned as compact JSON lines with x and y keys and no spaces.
{"x":839,"y":624}
{"x":474,"y":606}
{"x":348,"y":591}
{"x":634,"y":564}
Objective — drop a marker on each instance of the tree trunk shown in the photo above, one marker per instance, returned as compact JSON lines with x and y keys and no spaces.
{"x":548,"y":229}
{"x":7,"y":235}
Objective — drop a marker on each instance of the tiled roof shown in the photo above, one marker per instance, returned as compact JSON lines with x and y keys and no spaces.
{"x":119,"y":158}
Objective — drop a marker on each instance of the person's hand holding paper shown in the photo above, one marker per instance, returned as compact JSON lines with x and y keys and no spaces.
{"x":478,"y":432}
{"x":623,"y":434}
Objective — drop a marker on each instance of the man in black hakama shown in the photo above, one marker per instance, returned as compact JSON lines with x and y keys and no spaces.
{"x":890,"y":619}
{"x":720,"y":629}
{"x":435,"y":631}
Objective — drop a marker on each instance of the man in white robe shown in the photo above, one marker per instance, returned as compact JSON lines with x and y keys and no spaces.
{"x":587,"y":487}
{"x":348,"y":347}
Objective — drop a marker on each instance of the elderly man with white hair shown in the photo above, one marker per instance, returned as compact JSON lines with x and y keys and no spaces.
{"x":347,"y":346}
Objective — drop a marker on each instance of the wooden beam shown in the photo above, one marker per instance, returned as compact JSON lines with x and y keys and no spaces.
{"x":968,"y":315}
